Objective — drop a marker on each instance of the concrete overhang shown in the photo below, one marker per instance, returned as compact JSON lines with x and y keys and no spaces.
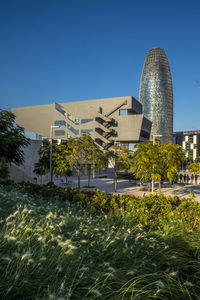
{"x":129,"y":127}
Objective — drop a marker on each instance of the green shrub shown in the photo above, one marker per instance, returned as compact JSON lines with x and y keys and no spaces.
{"x":4,"y":170}
{"x":153,"y":210}
{"x":50,"y":192}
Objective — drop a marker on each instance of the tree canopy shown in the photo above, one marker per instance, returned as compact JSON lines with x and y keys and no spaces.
{"x":75,"y":152}
{"x":194,"y":167}
{"x":157,"y":161}
{"x":120,"y":159}
{"x":12,"y":139}
{"x":60,"y":164}
{"x":83,"y":150}
{"x":173,"y":156}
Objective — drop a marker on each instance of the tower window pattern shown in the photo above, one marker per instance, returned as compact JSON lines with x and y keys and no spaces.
{"x":156,"y":93}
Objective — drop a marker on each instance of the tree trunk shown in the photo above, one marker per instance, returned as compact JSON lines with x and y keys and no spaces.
{"x":159,"y":187}
{"x":89,"y":173}
{"x":149,"y":185}
{"x":79,"y":178}
{"x":115,"y":181}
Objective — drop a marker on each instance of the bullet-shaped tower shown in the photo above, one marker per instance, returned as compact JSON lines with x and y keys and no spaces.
{"x":156,"y":94}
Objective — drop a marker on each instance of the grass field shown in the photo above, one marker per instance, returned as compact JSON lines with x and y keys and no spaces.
{"x":62,"y":250}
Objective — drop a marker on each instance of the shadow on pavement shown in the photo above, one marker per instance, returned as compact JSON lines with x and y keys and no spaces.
{"x":124,"y":186}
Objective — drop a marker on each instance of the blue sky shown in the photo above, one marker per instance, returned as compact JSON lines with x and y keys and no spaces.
{"x":68,"y":50}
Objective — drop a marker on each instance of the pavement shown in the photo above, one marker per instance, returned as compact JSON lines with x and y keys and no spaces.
{"x":135,"y":188}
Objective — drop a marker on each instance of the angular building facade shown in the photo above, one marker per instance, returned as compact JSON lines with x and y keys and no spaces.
{"x":108,"y":120}
{"x":156,"y":94}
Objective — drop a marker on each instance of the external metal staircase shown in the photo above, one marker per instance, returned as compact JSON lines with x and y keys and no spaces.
{"x":104,"y":130}
{"x":116,"y":108}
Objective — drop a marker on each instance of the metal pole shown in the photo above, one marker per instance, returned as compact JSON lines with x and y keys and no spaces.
{"x":51,"y":173}
{"x":115,"y":167}
{"x":51,"y":137}
{"x":93,"y":170}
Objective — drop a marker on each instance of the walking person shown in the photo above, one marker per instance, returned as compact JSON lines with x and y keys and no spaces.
{"x":192,"y":178}
{"x":184,"y":178}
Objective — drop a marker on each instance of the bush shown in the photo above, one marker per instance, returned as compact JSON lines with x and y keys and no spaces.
{"x":50,"y":192}
{"x":153,"y":210}
{"x":4,"y":170}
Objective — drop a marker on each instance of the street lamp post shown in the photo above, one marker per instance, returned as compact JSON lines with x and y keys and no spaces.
{"x":115,"y":166}
{"x":51,"y":136}
{"x":154,"y":137}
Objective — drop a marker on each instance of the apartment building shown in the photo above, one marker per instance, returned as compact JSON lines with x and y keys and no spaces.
{"x":190,"y":141}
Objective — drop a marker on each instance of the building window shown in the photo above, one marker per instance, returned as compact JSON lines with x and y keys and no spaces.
{"x":32,"y":135}
{"x":123,"y":112}
{"x":126,"y":112}
{"x":83,"y":121}
{"x":63,"y":112}
{"x":86,"y":130}
{"x":60,"y":123}
{"x":59,"y":132}
{"x":131,"y":146}
{"x":72,"y":129}
{"x":144,"y":134}
{"x":59,"y":108}
{"x":71,"y":118}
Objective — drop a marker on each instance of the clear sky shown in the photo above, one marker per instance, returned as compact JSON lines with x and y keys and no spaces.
{"x":68,"y":50}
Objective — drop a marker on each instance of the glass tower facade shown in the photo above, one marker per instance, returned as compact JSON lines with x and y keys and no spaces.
{"x":156,"y":94}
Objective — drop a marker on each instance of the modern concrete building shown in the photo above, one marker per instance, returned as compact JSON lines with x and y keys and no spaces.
{"x":156,"y":94}
{"x":190,"y":141}
{"x":25,"y":172}
{"x":108,"y":120}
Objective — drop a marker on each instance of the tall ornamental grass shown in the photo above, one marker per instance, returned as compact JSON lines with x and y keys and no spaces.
{"x":64,"y":250}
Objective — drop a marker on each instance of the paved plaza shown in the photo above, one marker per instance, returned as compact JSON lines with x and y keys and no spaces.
{"x":134,"y":188}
